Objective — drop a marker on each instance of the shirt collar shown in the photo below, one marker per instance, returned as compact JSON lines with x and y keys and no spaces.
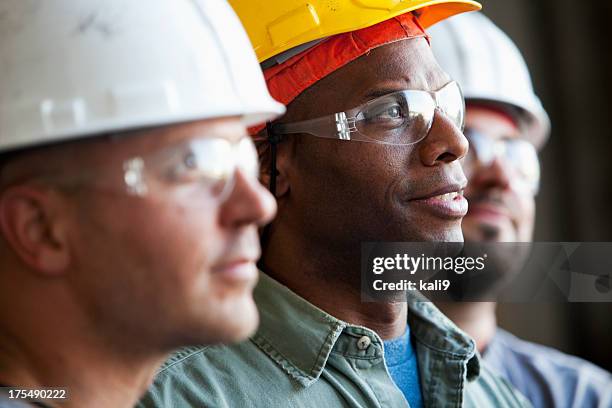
{"x":440,"y":335}
{"x":299,"y":336}
{"x":293,"y":332}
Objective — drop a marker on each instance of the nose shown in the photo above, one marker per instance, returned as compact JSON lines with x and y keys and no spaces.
{"x":248,"y":203}
{"x":445,"y":142}
{"x":495,"y":174}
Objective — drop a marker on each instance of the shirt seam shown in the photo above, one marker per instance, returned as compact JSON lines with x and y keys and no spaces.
{"x":347,"y":355}
{"x":286,"y":365}
{"x":466,"y":356}
{"x":180,"y":357}
{"x":327,"y":347}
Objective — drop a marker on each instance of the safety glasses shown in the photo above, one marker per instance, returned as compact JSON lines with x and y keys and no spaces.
{"x":518,"y":153}
{"x":205,"y":165}
{"x":399,"y":118}
{"x":209,"y":163}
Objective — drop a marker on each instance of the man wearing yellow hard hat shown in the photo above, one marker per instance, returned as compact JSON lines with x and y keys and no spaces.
{"x":368,"y":151}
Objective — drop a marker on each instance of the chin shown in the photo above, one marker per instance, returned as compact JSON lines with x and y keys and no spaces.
{"x":475,"y":231}
{"x":237,"y":323}
{"x":451,"y":233}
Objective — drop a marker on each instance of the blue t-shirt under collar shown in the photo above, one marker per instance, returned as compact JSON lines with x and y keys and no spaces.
{"x":402,"y":364}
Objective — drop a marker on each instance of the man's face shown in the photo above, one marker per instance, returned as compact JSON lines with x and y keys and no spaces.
{"x":499,"y":210}
{"x":177,"y":265}
{"x":344,"y":193}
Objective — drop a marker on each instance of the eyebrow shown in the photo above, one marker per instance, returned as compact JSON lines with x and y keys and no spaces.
{"x":376,"y":93}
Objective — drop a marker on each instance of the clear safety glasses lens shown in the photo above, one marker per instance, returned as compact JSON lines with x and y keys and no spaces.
{"x":205,"y":162}
{"x":399,"y":118}
{"x":520,"y":154}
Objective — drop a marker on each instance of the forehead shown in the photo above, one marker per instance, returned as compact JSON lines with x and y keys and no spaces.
{"x":143,"y":141}
{"x":405,"y":64}
{"x":95,"y":153}
{"x":408,"y":62}
{"x":491,"y":122}
{"x":228,"y":128}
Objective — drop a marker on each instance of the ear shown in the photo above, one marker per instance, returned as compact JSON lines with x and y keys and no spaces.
{"x":283,"y":150}
{"x":31,"y":227}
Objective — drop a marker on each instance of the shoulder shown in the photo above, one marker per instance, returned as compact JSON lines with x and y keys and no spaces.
{"x":220,"y":376}
{"x":490,"y":389}
{"x":194,"y":361}
{"x":545,"y":374}
{"x":180,"y":379}
{"x":541,"y":357}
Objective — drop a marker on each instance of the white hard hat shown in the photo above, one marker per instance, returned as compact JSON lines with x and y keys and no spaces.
{"x":75,"y":68}
{"x":490,"y":69}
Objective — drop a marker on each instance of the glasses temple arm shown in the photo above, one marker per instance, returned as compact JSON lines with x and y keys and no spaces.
{"x":336,"y":126}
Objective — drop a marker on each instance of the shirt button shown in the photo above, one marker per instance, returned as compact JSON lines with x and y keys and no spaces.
{"x":363,"y":343}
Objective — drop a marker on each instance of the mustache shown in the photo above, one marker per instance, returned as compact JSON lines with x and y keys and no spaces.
{"x":425,"y":184}
{"x":496,"y":197}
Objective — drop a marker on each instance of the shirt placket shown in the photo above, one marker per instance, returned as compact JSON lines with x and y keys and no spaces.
{"x":358,"y":355}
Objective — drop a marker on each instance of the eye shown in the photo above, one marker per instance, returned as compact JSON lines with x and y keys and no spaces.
{"x":189,"y":161}
{"x":184,"y":167}
{"x":206,"y":160}
{"x":394,"y":112}
{"x":525,"y":158}
{"x":389,"y":112}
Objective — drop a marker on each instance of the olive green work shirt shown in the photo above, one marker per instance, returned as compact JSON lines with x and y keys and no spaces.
{"x":303,"y":357}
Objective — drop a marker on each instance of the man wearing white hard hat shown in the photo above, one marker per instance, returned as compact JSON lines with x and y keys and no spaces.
{"x":506,"y":126}
{"x":129,"y":199}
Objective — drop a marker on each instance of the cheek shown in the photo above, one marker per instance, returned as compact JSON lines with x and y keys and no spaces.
{"x":159,"y":241}
{"x":352,"y":190}
{"x":349,"y":170}
{"x":143,"y":260}
{"x":183,"y":240}
{"x":529,"y":208}
{"x":526,"y":218}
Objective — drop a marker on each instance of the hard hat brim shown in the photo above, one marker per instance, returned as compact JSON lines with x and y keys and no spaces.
{"x":534,"y":119}
{"x":249,"y":117}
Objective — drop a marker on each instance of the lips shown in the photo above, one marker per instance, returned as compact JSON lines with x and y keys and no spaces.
{"x":237,"y":264}
{"x":449,"y":196}
{"x":238,"y":271}
{"x":447,"y":202}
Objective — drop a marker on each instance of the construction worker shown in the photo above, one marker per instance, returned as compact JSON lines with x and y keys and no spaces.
{"x":506,"y":126}
{"x":129,"y":199}
{"x":368,"y":151}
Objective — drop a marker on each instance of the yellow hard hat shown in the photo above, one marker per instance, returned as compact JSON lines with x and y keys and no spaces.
{"x":275,"y":26}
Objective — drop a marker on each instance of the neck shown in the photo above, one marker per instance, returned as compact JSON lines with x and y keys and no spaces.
{"x":475,"y":318}
{"x":331,"y":280}
{"x":50,"y":345}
